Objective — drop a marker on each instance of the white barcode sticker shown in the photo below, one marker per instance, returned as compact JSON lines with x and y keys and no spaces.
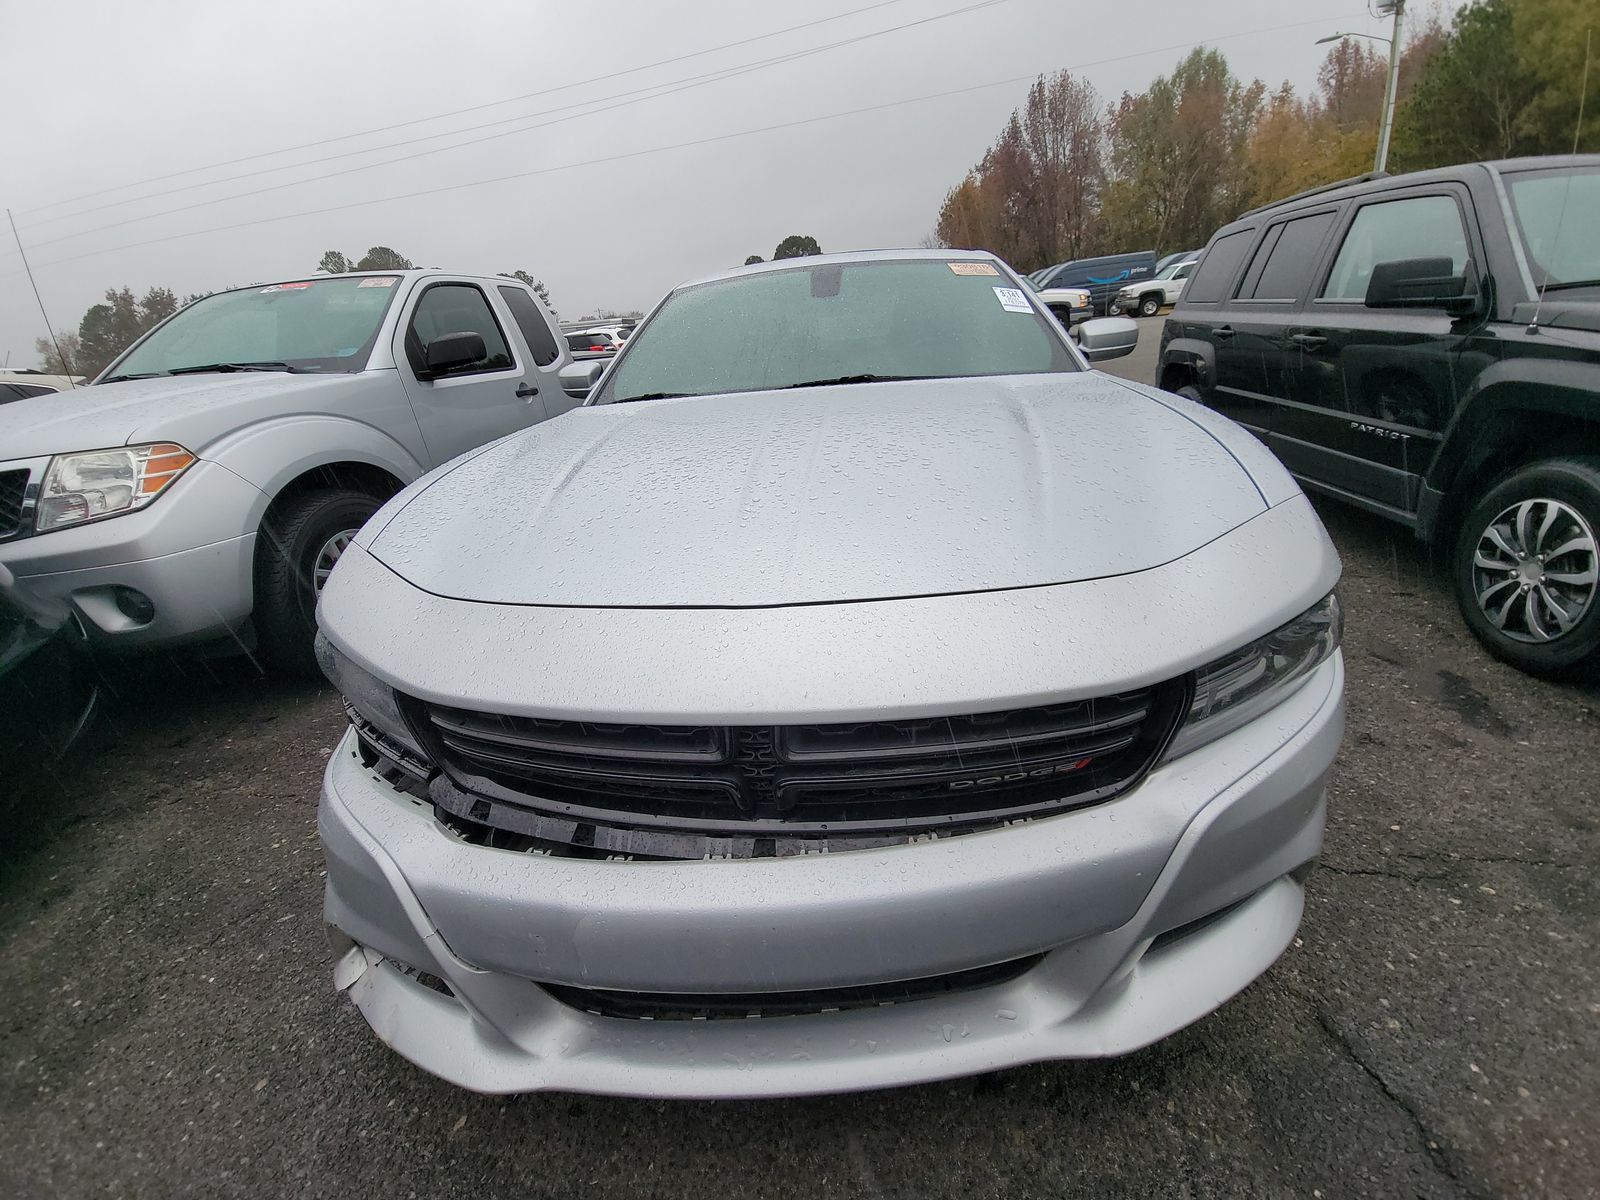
{"x":1012,"y":300}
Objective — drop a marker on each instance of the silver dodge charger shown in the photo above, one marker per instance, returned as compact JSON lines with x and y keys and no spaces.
{"x":857,"y":690}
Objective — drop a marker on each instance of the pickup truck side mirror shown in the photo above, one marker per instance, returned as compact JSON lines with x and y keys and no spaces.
{"x":1420,"y":283}
{"x":1106,"y":337}
{"x":452,"y":351}
{"x":578,"y":379}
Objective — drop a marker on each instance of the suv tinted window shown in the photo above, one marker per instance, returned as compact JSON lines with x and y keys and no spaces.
{"x":535,"y":330}
{"x":1217,"y":267}
{"x":1416,"y":227}
{"x":457,"y":308}
{"x":1286,"y":259}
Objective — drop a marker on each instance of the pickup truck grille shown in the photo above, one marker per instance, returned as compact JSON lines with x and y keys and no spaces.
{"x":13,"y":486}
{"x":822,"y":786}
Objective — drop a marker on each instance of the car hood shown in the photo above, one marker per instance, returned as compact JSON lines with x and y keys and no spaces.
{"x":191,"y":409}
{"x":832,"y":494}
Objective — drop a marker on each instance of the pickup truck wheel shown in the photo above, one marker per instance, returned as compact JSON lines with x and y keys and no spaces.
{"x":1527,"y":568}
{"x":1149,"y":306}
{"x":295,"y":554}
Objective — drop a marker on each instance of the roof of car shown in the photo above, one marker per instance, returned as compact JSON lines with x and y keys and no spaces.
{"x":852,"y":256}
{"x":1376,"y":180}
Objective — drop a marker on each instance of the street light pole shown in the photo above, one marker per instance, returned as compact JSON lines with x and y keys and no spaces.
{"x":1394,"y":82}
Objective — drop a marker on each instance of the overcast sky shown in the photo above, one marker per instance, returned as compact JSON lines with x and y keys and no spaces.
{"x":101,"y":94}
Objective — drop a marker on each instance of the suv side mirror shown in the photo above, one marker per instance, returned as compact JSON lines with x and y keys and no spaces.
{"x":1419,"y":283}
{"x":1106,"y":337}
{"x":578,"y":379}
{"x":452,"y":351}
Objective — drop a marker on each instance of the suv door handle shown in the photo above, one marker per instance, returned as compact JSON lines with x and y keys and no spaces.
{"x":1223,"y":331}
{"x":527,"y":391}
{"x":1308,"y":341}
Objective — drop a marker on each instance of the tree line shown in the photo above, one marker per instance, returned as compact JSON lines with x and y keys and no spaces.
{"x":1071,"y":177}
{"x":107,"y":329}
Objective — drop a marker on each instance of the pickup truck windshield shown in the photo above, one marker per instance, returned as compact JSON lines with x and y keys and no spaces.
{"x":312,"y":325}
{"x":1556,"y":215}
{"x":855,"y":322}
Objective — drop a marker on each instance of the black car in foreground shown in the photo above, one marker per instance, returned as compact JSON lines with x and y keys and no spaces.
{"x":1427,"y":346}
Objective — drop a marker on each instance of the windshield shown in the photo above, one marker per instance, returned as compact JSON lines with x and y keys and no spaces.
{"x":850,"y":322}
{"x":1171,"y":269}
{"x":1556,"y":215}
{"x":312,"y":325}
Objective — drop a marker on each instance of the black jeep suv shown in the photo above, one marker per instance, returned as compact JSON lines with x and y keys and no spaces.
{"x":1427,"y":346}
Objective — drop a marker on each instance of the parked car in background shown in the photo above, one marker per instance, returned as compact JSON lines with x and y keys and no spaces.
{"x":1102,"y":277}
{"x":203,"y":487}
{"x":1427,"y":347}
{"x":19,"y":385}
{"x":595,"y":340}
{"x":864,"y":663}
{"x":1150,"y":297}
{"x":1166,"y":260}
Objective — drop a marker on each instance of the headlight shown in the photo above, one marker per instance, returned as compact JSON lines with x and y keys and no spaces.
{"x":104,"y":483}
{"x":371,"y":698}
{"x":1238,"y":688}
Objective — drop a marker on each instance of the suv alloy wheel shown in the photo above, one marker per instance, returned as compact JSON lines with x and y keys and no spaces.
{"x":1527,"y":568}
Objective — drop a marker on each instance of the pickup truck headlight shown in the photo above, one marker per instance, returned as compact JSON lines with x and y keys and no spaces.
{"x":1237,"y":688}
{"x":106,"y":483}
{"x":370,"y":699}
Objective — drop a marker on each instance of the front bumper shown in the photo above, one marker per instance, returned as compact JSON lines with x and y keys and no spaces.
{"x":1225,"y":830}
{"x":185,"y":554}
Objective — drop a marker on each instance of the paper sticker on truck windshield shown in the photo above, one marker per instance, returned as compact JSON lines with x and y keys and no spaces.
{"x":1012,"y":300}
{"x":379,"y":281}
{"x":973,"y":268}
{"x":287,"y":287}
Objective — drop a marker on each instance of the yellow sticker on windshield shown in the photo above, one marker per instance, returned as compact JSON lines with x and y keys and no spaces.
{"x":973,"y":268}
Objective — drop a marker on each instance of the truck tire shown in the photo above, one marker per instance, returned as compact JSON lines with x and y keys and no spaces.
{"x":295,"y":551}
{"x":1525,"y":565}
{"x":1149,"y":306}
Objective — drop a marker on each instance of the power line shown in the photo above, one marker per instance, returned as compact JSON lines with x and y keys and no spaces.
{"x":456,"y":112}
{"x":673,"y":146}
{"x":623,"y":100}
{"x":722,"y":137}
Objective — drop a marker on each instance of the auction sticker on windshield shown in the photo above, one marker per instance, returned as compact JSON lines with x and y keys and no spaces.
{"x":1012,"y":300}
{"x":973,"y":268}
{"x":379,"y":281}
{"x":287,"y":287}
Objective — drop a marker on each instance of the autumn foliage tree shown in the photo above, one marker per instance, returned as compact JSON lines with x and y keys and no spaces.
{"x":1035,"y":196}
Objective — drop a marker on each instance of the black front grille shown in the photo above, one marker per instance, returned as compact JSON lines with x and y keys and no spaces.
{"x":616,"y":787}
{"x":664,"y":1006}
{"x":13,"y":487}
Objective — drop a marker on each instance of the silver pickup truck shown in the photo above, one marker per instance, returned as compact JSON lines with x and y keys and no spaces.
{"x":206,"y":483}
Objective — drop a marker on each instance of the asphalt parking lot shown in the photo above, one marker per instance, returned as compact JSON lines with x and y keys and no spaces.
{"x":170,"y":1026}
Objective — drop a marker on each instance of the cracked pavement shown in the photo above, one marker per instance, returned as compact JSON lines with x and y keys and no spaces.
{"x":170,"y":1026}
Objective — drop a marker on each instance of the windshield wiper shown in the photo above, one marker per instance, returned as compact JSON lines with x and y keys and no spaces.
{"x":235,"y":366}
{"x":1572,"y":283}
{"x":841,"y":379}
{"x":654,"y":396}
{"x":132,"y":375}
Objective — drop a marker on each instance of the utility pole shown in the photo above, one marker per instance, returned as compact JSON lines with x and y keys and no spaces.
{"x":1399,"y":7}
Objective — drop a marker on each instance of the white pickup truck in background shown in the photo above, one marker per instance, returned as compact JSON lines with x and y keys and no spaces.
{"x":1150,"y":296}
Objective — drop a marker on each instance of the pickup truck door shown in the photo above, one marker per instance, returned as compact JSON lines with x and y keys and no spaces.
{"x":499,"y":394}
{"x":1377,"y":387}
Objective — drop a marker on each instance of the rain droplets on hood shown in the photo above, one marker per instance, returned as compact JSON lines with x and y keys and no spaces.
{"x":844,"y":493}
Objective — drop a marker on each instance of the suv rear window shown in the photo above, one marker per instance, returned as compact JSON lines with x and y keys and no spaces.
{"x":1217,"y":267}
{"x":1287,"y":257}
